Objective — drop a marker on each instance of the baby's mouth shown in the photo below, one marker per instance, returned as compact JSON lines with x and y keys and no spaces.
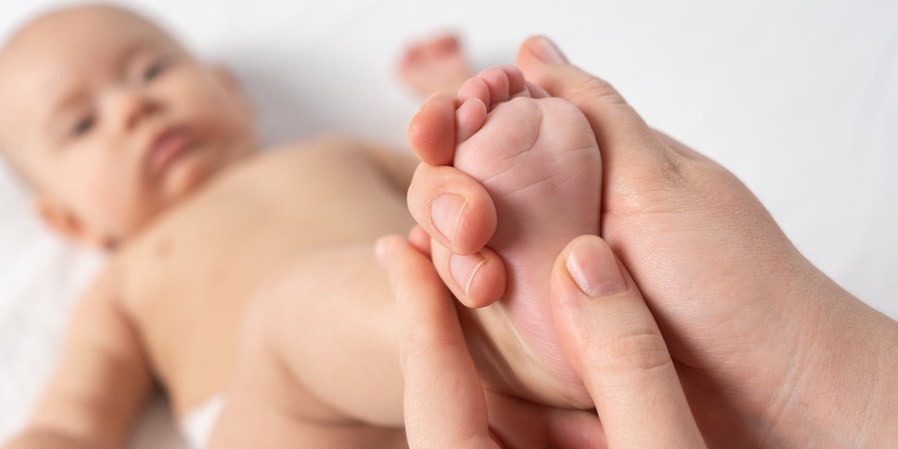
{"x":167,"y":147}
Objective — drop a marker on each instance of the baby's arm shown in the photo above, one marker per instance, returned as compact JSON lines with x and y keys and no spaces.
{"x":102,"y":380}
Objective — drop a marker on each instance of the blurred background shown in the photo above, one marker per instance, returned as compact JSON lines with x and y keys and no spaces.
{"x":799,"y":99}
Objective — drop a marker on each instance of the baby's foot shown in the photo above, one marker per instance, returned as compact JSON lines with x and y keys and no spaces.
{"x":436,"y":65}
{"x":538,"y":160}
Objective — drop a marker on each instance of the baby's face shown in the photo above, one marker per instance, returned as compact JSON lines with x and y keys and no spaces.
{"x":112,"y":121}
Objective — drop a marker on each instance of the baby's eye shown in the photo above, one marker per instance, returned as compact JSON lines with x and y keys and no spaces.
{"x":83,"y":126}
{"x":155,"y":69}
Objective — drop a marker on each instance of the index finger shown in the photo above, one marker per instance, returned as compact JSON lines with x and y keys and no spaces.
{"x":444,"y":403}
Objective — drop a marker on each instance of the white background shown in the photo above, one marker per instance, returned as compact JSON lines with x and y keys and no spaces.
{"x":799,"y":99}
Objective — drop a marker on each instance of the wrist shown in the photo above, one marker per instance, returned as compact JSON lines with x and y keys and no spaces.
{"x":878,"y":425}
{"x":841,"y":386}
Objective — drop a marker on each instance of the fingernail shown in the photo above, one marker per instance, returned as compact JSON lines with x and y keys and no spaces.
{"x":464,"y":268}
{"x":593,"y":267}
{"x":446,"y":212}
{"x":546,"y":51}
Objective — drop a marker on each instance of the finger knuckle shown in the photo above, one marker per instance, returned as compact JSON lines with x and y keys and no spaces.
{"x":596,"y":90}
{"x":638,"y":351}
{"x":670,"y":169}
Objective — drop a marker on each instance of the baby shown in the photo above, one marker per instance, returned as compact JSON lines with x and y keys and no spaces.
{"x":245,"y":282}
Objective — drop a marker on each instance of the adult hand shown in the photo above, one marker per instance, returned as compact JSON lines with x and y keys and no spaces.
{"x":769,"y":350}
{"x":610,"y":336}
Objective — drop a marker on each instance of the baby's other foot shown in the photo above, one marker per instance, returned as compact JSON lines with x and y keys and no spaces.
{"x":435,"y":65}
{"x":538,"y":160}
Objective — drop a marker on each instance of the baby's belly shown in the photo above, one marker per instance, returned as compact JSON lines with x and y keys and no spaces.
{"x":192,"y":279}
{"x":191,"y":323}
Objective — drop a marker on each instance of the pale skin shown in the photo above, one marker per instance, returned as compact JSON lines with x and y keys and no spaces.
{"x":606,"y":330}
{"x":770,"y":352}
{"x":208,"y":254}
{"x":230,"y":266}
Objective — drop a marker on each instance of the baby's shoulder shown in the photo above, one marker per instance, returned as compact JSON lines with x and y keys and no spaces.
{"x":108,"y":283}
{"x":105,"y":296}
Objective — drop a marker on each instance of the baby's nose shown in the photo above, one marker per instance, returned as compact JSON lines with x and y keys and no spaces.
{"x":129,"y":107}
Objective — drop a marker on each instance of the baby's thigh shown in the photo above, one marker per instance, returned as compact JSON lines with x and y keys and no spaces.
{"x":262,"y":398}
{"x":259,"y":414}
{"x":268,"y":404}
{"x":329,"y":322}
{"x":254,"y":415}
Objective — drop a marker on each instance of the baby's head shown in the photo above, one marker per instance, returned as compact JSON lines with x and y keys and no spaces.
{"x":111,"y":121}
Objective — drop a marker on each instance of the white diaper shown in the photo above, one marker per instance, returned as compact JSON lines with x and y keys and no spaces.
{"x":198,"y":423}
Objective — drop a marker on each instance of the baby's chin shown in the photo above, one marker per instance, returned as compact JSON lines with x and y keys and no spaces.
{"x":188,"y":174}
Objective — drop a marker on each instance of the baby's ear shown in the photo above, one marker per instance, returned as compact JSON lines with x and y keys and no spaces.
{"x":232,"y":83}
{"x":61,"y":220}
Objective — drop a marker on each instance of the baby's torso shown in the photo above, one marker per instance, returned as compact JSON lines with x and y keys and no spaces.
{"x":188,"y":279}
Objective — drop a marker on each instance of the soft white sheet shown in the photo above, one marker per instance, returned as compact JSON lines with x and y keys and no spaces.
{"x":800,"y":99}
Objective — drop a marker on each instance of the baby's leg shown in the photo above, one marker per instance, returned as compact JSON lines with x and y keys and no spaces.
{"x":539,"y":161}
{"x":319,"y":363}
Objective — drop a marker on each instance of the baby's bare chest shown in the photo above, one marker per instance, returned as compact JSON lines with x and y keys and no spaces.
{"x":189,"y":279}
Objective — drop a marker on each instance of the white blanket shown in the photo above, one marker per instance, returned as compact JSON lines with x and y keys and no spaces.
{"x":800,"y":99}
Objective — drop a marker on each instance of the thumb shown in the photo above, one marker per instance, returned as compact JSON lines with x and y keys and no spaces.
{"x":611,"y":339}
{"x":622,"y":135}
